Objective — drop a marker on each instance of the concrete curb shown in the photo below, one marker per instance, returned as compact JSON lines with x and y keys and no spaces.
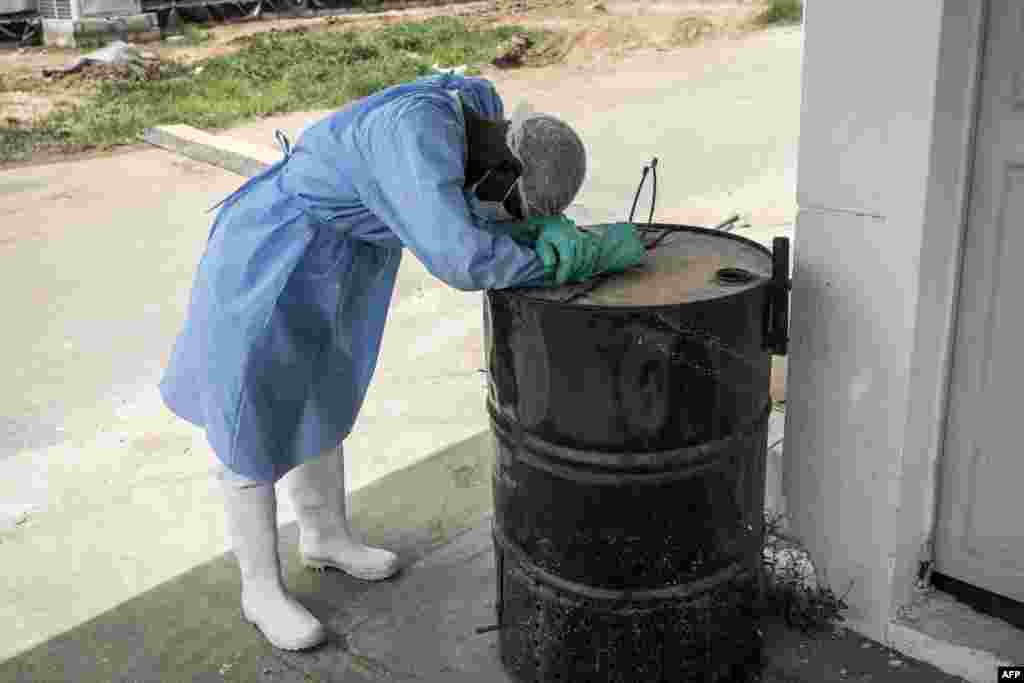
{"x":237,"y":156}
{"x":974,"y":665}
{"x":954,"y":637}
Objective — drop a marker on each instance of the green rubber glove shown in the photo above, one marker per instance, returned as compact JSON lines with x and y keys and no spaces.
{"x":620,"y":248}
{"x":568,"y":254}
{"x":529,"y":230}
{"x":521,"y":232}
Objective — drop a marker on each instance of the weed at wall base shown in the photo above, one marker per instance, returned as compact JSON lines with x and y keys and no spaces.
{"x":792,"y":593}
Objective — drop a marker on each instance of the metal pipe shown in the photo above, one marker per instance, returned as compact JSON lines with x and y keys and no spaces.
{"x":636,"y":197}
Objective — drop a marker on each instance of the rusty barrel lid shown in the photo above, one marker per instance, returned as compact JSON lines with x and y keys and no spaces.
{"x":690,"y":264}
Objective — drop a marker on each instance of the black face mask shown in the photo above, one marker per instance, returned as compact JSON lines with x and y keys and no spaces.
{"x":513,"y":203}
{"x":499,"y":185}
{"x":492,"y":167}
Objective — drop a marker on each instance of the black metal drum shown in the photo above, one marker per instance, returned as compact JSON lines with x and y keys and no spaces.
{"x":631,"y":427}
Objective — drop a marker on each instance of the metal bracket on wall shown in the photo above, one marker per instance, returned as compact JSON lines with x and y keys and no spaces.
{"x":776,"y":338}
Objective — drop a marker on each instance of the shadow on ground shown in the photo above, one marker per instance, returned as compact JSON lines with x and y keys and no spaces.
{"x":419,"y":626}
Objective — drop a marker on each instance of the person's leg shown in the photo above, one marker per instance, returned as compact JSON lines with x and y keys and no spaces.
{"x":317,"y":490}
{"x":251,"y":511}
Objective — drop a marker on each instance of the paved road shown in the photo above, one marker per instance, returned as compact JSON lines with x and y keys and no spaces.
{"x":104,"y":495}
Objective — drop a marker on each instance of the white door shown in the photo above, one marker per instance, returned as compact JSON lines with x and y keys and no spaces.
{"x":980,"y":532}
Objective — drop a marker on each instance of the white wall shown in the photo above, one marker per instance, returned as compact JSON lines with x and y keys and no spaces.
{"x":871,"y":70}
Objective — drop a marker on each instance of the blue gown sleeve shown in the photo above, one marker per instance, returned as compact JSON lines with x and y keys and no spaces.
{"x":478,"y":93}
{"x":414,"y":186}
{"x":483,"y":97}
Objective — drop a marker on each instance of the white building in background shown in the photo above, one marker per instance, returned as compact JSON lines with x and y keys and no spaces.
{"x":904,"y":468}
{"x":66,"y":23}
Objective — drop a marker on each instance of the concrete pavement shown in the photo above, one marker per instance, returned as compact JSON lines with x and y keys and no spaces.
{"x":105,"y":497}
{"x":419,"y":626}
{"x":100,"y":486}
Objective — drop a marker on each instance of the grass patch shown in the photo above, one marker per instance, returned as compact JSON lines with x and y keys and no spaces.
{"x":272,"y":73}
{"x":194,"y":35}
{"x":782,"y":12}
{"x":90,"y":43}
{"x":19,"y":143}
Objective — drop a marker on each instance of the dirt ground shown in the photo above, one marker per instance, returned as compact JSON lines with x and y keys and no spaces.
{"x":594,"y":30}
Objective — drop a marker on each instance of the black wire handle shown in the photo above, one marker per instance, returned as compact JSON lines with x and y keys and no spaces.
{"x":653,"y":169}
{"x":636,"y":197}
{"x":654,"y":190}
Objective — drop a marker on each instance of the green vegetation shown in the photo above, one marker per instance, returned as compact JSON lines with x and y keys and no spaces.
{"x":782,"y":12}
{"x":194,"y":35}
{"x":273,"y":73}
{"x":17,"y":143}
{"x":89,"y":43}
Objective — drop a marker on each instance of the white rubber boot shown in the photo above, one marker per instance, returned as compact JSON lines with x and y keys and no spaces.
{"x":252,"y":524}
{"x":317,"y":490}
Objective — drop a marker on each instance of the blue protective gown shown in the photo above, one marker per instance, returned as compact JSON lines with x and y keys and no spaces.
{"x":290,"y":298}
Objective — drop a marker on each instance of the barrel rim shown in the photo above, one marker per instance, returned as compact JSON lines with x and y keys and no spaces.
{"x":523,"y":292}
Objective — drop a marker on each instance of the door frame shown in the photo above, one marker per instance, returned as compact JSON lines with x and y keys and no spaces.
{"x":947,"y":211}
{"x":961,"y":587}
